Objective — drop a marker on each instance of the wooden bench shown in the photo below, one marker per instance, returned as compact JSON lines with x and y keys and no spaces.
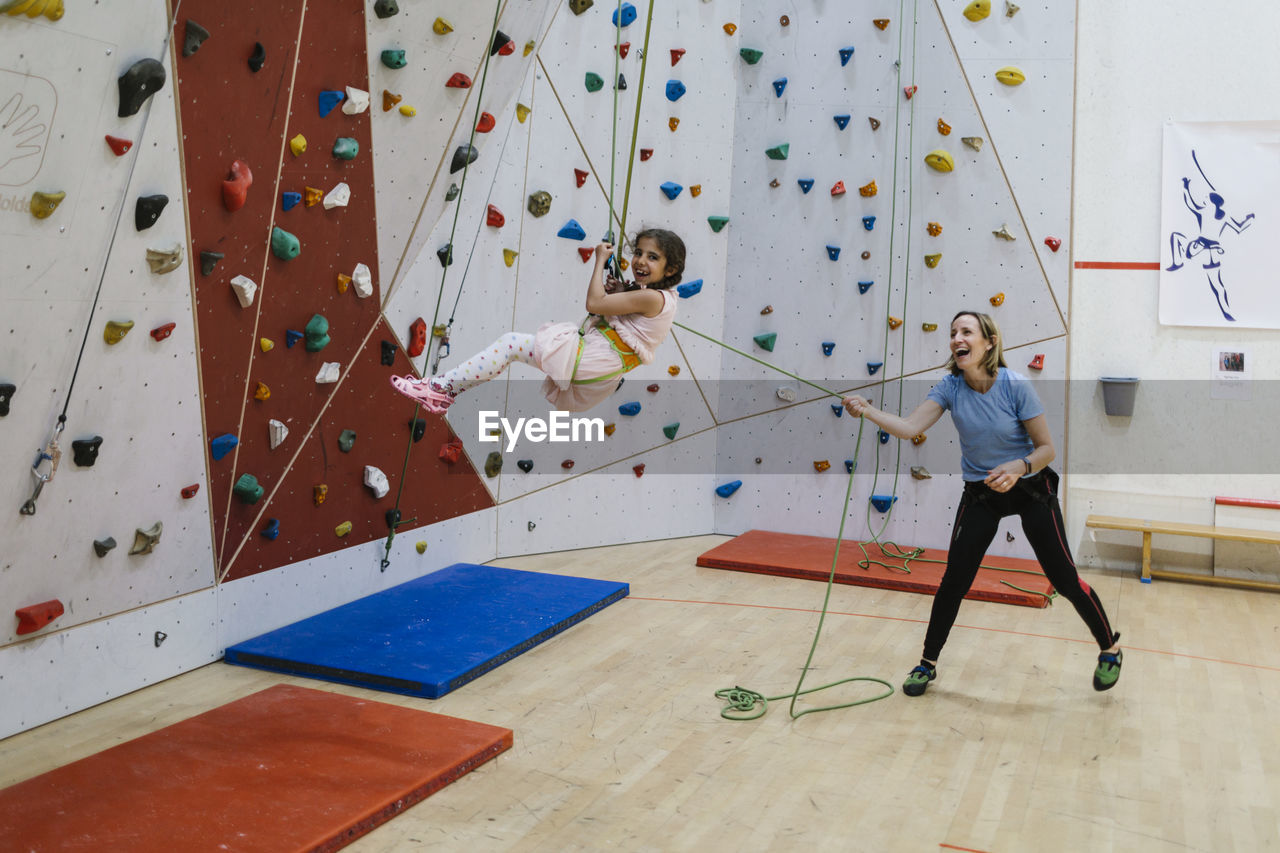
{"x":1208,"y":531}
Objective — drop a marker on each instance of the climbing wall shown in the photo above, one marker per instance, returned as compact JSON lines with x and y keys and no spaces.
{"x":854,"y":253}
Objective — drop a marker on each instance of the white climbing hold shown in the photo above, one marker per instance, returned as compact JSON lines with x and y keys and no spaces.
{"x":328,"y":373}
{"x":338,"y":196}
{"x":279,"y":432}
{"x":362,"y":281}
{"x":376,"y":481}
{"x":245,"y":289}
{"x":786,"y":395}
{"x":357,"y":101}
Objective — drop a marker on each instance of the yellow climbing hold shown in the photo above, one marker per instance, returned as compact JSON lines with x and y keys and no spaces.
{"x":262,"y":392}
{"x":730,"y":29}
{"x":344,"y":281}
{"x":528,"y":47}
{"x":312,"y":196}
{"x":869,"y":190}
{"x":695,"y":190}
{"x":929,"y":327}
{"x":977,"y":10}
{"x":266,"y":344}
{"x":43,"y":204}
{"x":934,"y":229}
{"x":998,"y":299}
{"x":298,"y":145}
{"x":610,"y":428}
{"x":51,"y":9}
{"x":421,"y":547}
{"x":931,"y":261}
{"x":522,"y":113}
{"x":1011,"y":76}
{"x":343,"y":529}
{"x":821,"y":465}
{"x":674,"y":370}
{"x":116,"y":330}
{"x":509,"y":256}
{"x":441,"y":27}
{"x":408,"y":111}
{"x":894,"y":322}
{"x":673,"y":123}
{"x":940,"y":160}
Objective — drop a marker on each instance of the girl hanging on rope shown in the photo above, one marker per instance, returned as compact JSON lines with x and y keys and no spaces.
{"x":583,"y":363}
{"x":1005,"y":448}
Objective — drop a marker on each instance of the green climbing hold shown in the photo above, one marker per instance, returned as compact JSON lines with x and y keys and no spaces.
{"x":345,"y":148}
{"x":394,"y":59}
{"x":766,"y":342}
{"x":594,"y":82}
{"x":751,"y":55}
{"x":346,"y":440}
{"x":247,"y":489}
{"x":670,"y":430}
{"x":452,"y":192}
{"x":493,"y":464}
{"x":284,"y":245}
{"x":718,"y":223}
{"x":779,"y":152}
{"x":317,"y":333}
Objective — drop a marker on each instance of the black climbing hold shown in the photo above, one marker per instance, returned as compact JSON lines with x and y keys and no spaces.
{"x":388,"y":353}
{"x":159,"y":637}
{"x":500,"y":40}
{"x":258,"y":57}
{"x":102,"y":546}
{"x":493,"y":464}
{"x":464,"y":156}
{"x":193,"y":38}
{"x":525,"y":465}
{"x":7,"y":390}
{"x":141,"y":81}
{"x":209,"y":260}
{"x":622,"y":83}
{"x":393,"y":518}
{"x":419,"y":427}
{"x":445,"y":254}
{"x":85,"y":450}
{"x":148,"y":210}
{"x":385,"y":8}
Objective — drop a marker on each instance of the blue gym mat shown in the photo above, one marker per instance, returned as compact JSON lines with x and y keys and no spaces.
{"x":431,"y":635}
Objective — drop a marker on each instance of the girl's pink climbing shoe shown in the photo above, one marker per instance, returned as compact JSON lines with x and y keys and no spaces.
{"x":421,"y":391}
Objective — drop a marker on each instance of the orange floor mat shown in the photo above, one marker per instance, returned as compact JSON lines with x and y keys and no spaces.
{"x":793,"y":556}
{"x":285,"y":769}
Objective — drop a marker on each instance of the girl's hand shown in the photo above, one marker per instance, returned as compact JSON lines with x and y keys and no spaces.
{"x":1004,"y":477}
{"x":854,"y":404}
{"x":603,"y":251}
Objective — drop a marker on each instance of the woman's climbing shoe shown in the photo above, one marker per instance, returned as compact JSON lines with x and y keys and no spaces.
{"x":919,"y":679}
{"x":1108,"y":671}
{"x":421,"y":391}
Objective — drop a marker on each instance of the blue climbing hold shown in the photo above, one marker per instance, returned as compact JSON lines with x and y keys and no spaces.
{"x":221,"y":445}
{"x":291,"y":337}
{"x":689,"y":288}
{"x":884,"y":436}
{"x":328,"y":99}
{"x":828,"y":347}
{"x":671,"y":189}
{"x":864,"y":286}
{"x":289,"y":200}
{"x":868,"y":222}
{"x":728,"y":488}
{"x":272,"y":530}
{"x":629,"y":409}
{"x":779,"y":86}
{"x":883,"y":502}
{"x":849,"y":466}
{"x":837,"y":410}
{"x":628,"y":15}
{"x":846,"y":53}
{"x":833,"y":252}
{"x":873,"y":367}
{"x":842,"y":121}
{"x":572,"y":231}
{"x":675,"y":89}
{"x":806,"y":184}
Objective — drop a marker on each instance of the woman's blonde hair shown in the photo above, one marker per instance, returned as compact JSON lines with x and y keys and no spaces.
{"x":991,"y":332}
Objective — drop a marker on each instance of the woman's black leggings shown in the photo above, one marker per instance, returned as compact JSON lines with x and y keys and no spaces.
{"x":1035,"y":501}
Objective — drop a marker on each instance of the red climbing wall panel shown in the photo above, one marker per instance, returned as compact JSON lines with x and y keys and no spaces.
{"x":228,"y":113}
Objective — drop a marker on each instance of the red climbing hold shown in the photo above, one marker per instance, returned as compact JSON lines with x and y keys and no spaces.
{"x":162,"y":332}
{"x":638,"y":469}
{"x":1037,"y":362}
{"x":838,"y":189}
{"x":118,"y":145}
{"x":580,"y":176}
{"x":909,"y":91}
{"x":646,"y":153}
{"x":35,"y":616}
{"x":508,"y":48}
{"x":417,"y":338}
{"x":486,"y":123}
{"x":451,"y":450}
{"x":189,"y":492}
{"x":586,"y":252}
{"x":1053,"y":243}
{"x":459,"y":81}
{"x":235,"y":189}
{"x":566,"y":464}
{"x":494,"y":217}
{"x":624,"y":49}
{"x":676,"y":53}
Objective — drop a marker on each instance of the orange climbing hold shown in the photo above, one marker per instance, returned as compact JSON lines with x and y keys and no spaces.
{"x":586,"y":252}
{"x":389,"y":100}
{"x":821,"y":465}
{"x":838,"y":189}
{"x":673,"y":123}
{"x":909,"y":91}
{"x":486,"y":123}
{"x":235,"y":188}
{"x":344,"y":281}
{"x":312,"y":196}
{"x":998,"y":299}
{"x":894,"y":322}
{"x":730,"y":29}
{"x":869,"y":190}
{"x":881,"y":23}
{"x":451,"y":450}
{"x":458,"y":81}
{"x":695,"y":190}
{"x":919,"y":438}
{"x":118,"y":145}
{"x":1037,"y":361}
{"x":494,"y":217}
{"x":417,"y":338}
{"x":944,"y":128}
{"x":934,"y":229}
{"x":33,"y":617}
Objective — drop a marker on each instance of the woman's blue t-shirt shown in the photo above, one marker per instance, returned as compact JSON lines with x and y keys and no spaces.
{"x":990,"y":425}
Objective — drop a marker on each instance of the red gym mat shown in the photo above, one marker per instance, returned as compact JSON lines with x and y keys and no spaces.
{"x":793,"y":556}
{"x":285,"y":769}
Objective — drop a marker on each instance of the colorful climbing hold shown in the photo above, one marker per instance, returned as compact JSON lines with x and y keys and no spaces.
{"x":766,"y":341}
{"x":33,"y":617}
{"x":342,"y":529}
{"x":345,"y":148}
{"x":1004,"y":233}
{"x":116,"y":330}
{"x":394,"y":59}
{"x":311,"y":196}
{"x":673,"y":123}
{"x":291,"y":337}
{"x":1011,"y":76}
{"x":118,"y":145}
{"x":162,"y":332}
{"x":284,"y":245}
{"x":880,"y":23}
{"x":624,"y":15}
{"x":931,"y":260}
{"x":290,"y":200}
{"x":247,"y":490}
{"x":629,"y":409}
{"x":778,"y":152}
{"x":919,"y":472}
{"x":868,"y":222}
{"x":908,"y":91}
{"x":846,"y":53}
{"x":779,"y":86}
{"x":944,"y":128}
{"x":43,"y":204}
{"x":689,"y":288}
{"x":417,"y":338}
{"x":929,"y":327}
{"x":933,"y":229}
{"x":868,"y":190}
{"x":317,"y":333}
{"x":842,"y":121}
{"x":833,"y":253}
{"x":864,"y":286}
{"x":883,"y":502}
{"x":571,"y":230}
{"x":522,"y":112}
{"x":717,"y":223}
{"x":441,"y":27}
{"x":485,"y":123}
{"x":894,"y":322}
{"x":828,"y":347}
{"x":262,"y":392}
{"x":645,"y":153}
{"x":235,"y":187}
{"x":998,"y":299}
{"x":670,"y":190}
{"x":346,"y":440}
{"x":540,"y":203}
{"x":509,"y":256}
{"x":593,"y":81}
{"x":940,"y":160}
{"x":458,"y":80}
{"x":883,"y":436}
{"x":1053,"y":243}
{"x":676,"y":54}
{"x":675,"y":90}
{"x":670,"y":430}
{"x":328,"y":99}
{"x":502,"y":44}
{"x":873,"y":367}
{"x":750,"y":55}
{"x":1037,"y":362}
{"x":977,"y":10}
{"x":821,"y":465}
{"x":838,"y":189}
{"x":389,"y":100}
{"x":806,"y":184}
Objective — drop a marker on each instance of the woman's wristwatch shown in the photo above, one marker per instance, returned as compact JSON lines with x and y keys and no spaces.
{"x":1028,"y":462}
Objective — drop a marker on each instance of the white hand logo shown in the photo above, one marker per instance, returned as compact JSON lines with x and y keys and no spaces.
{"x":19,"y":132}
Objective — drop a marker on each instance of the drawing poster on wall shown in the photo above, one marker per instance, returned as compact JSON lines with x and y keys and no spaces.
{"x":1220,"y":225}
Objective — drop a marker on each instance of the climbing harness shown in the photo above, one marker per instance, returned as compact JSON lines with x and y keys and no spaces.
{"x":630,"y":361}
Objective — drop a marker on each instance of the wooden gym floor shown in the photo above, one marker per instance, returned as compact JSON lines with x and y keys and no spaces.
{"x":619,"y":744}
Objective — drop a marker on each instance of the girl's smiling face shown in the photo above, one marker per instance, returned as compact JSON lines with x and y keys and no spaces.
{"x":648,"y":265}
